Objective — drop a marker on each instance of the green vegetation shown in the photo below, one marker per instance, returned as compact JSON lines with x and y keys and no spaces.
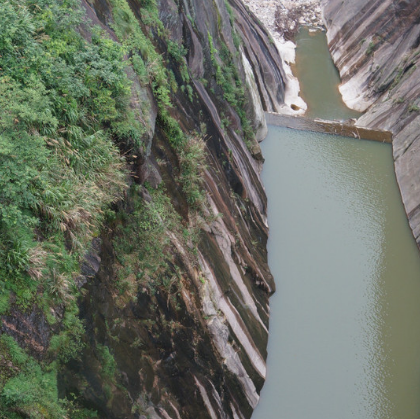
{"x":227,"y":77}
{"x":108,"y":364}
{"x":374,"y":44}
{"x":397,"y":79}
{"x":405,"y":69}
{"x":371,"y":47}
{"x":150,"y":66}
{"x":68,"y":343}
{"x":29,"y":390}
{"x":63,"y":109}
{"x":178,"y":53}
{"x":146,"y":60}
{"x":144,"y":245}
{"x":59,"y":99}
{"x":192,"y":164}
{"x":142,"y":242}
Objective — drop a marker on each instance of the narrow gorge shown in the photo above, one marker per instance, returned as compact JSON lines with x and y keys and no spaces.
{"x":133,"y":219}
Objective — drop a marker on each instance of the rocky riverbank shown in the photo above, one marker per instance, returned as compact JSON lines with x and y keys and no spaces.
{"x":282,"y":18}
{"x":376,"y":47}
{"x":167,"y":316}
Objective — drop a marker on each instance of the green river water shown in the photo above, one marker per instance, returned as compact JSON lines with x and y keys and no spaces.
{"x":345,"y":320}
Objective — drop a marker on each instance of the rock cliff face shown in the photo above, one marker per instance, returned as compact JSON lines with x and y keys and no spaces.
{"x":376,"y":47}
{"x":174,"y":293}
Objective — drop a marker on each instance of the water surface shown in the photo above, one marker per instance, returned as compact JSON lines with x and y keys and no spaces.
{"x":344,"y":328}
{"x":318,"y":77}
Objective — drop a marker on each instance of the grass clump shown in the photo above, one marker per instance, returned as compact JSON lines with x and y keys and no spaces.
{"x":108,"y":363}
{"x":227,"y":77}
{"x":371,"y":48}
{"x":142,"y":243}
{"x":192,"y":165}
{"x":27,"y":389}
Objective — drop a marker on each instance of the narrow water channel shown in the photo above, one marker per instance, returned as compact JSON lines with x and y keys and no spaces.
{"x":318,"y":77}
{"x":345,"y":320}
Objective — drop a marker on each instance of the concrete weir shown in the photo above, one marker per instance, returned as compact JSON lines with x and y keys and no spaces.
{"x":345,"y":128}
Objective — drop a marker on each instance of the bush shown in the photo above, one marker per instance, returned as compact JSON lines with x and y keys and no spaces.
{"x":33,"y":393}
{"x":371,"y":47}
{"x":227,"y":77}
{"x":142,"y":242}
{"x":59,"y":99}
{"x":30,"y":391}
{"x":64,"y":110}
{"x":192,"y":165}
{"x":107,"y":361}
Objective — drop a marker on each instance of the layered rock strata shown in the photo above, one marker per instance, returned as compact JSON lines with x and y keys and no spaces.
{"x":376,"y":47}
{"x":197,"y":350}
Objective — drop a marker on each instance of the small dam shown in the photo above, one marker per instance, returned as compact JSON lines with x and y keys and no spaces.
{"x":345,"y":128}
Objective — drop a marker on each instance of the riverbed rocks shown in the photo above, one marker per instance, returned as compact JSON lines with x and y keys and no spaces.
{"x":283,"y":17}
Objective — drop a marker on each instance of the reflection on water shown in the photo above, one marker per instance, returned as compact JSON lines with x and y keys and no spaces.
{"x":344,"y":331}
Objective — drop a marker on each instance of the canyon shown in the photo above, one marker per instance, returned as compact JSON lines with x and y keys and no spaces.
{"x":173,"y":292}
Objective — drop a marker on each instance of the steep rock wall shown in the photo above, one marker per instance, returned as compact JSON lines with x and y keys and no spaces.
{"x":196,"y":348}
{"x":375,"y":45}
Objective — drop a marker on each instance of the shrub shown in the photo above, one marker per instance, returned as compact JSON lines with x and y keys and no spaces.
{"x":371,"y":47}
{"x":30,"y":390}
{"x":142,"y":242}
{"x":64,"y":110}
{"x":109,"y":366}
{"x":59,"y":99}
{"x":192,"y":164}
{"x":227,"y":77}
{"x":33,"y":394}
